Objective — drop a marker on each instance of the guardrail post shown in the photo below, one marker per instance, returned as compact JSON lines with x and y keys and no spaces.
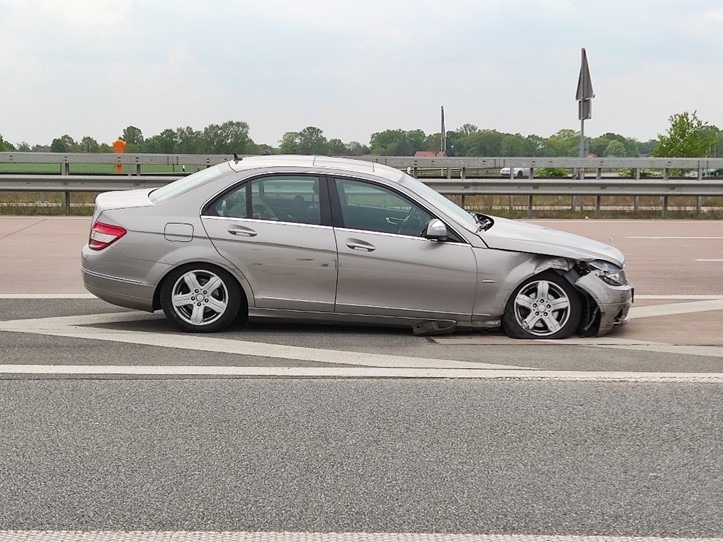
{"x":697,"y":205}
{"x":462,"y":173}
{"x":66,"y":202}
{"x":529,"y":206}
{"x":665,"y":206}
{"x":597,"y":206}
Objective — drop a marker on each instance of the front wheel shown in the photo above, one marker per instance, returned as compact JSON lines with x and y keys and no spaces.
{"x":543,"y":307}
{"x":200,"y":298}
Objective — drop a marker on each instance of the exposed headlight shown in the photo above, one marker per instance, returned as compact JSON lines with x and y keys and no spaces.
{"x":609,"y":272}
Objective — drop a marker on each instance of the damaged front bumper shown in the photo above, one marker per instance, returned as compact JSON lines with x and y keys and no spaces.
{"x":611,"y":305}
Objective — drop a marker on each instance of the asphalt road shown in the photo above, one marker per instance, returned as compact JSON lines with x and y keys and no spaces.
{"x":110,"y":420}
{"x":362,"y":456}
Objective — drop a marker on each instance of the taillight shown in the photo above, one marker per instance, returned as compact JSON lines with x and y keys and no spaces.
{"x":103,"y":235}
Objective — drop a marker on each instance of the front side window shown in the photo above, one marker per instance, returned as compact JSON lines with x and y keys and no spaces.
{"x":371,"y":207}
{"x":279,"y":198}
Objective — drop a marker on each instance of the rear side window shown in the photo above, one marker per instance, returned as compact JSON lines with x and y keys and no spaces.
{"x":277,"y":198}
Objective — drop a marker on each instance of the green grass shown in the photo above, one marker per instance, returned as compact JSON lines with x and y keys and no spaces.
{"x":85,"y":169}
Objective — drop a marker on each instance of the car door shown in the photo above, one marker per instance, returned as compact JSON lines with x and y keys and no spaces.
{"x":386,"y":266}
{"x":277,"y":230}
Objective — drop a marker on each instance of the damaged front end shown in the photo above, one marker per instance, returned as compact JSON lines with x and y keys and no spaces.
{"x":606,"y":293}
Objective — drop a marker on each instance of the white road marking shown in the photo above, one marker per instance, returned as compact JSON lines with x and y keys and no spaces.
{"x":663,"y":297}
{"x":366,"y":365}
{"x":48,"y":296}
{"x":245,"y":536}
{"x":676,"y":308}
{"x":361,"y":372}
{"x":705,"y":238}
{"x":75,"y":327}
{"x":709,"y":260}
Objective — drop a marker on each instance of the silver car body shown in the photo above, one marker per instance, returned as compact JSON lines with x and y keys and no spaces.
{"x":334,"y":272}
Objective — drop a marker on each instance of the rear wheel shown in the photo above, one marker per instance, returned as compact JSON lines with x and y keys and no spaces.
{"x":201,"y":298}
{"x":543,"y":307}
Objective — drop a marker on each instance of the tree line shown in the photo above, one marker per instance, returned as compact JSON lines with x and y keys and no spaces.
{"x":687,"y":136}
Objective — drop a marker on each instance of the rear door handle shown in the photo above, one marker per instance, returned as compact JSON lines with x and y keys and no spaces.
{"x":241,"y":231}
{"x":358,"y":244}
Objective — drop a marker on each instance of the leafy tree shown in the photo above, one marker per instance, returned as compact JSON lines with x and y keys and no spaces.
{"x":615,"y":148}
{"x":646,"y":149}
{"x":231,"y":136}
{"x":484,"y":143}
{"x":565,"y":142}
{"x":264,"y":149}
{"x":163,"y":143}
{"x":312,"y":141}
{"x":5,"y":146}
{"x":336,"y":147}
{"x":513,"y":145}
{"x":433,"y":142}
{"x":88,"y":144}
{"x":390,"y":143}
{"x":687,"y":136}
{"x":23,"y":147}
{"x":357,"y":149}
{"x":289,"y":143}
{"x":134,"y":138}
{"x":64,"y":144}
{"x":189,"y":141}
{"x":535,"y":145}
{"x":467,"y":130}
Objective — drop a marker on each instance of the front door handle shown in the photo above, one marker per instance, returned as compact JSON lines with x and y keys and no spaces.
{"x":241,"y":231}
{"x":358,"y":244}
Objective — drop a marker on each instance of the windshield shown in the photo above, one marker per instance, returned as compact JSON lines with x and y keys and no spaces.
{"x":185,"y":184}
{"x":441,"y":202}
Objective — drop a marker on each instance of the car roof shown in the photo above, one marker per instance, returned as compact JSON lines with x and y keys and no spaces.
{"x":317,"y":163}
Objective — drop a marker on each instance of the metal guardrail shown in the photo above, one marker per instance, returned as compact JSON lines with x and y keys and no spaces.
{"x":455,"y":183}
{"x":458,"y":164}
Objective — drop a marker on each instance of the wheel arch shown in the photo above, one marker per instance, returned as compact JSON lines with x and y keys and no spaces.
{"x":244,"y":286}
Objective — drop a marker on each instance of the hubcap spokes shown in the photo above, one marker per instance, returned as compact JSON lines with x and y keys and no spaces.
{"x":199,"y":297}
{"x":542,"y":308}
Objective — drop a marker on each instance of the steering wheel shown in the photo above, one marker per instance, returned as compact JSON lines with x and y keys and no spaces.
{"x":413,"y":223}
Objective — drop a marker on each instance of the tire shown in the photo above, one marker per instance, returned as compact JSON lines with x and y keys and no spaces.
{"x":545,"y":306}
{"x":201,"y":298}
{"x":520,"y":174}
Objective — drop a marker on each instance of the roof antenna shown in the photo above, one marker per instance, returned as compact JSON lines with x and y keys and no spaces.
{"x":236,"y":158}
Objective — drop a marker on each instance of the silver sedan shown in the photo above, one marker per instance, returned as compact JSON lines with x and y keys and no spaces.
{"x":343,"y":241}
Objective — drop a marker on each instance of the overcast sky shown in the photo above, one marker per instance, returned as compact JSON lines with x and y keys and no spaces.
{"x":354,"y":67}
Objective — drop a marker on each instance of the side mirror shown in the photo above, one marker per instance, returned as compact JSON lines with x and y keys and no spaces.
{"x":436,"y":230}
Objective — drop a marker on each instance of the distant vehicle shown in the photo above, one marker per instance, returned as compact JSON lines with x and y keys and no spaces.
{"x":343,"y":241}
{"x":518,"y":172}
{"x":710,"y":172}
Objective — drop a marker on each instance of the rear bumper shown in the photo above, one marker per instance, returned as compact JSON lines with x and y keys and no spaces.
{"x":118,"y":291}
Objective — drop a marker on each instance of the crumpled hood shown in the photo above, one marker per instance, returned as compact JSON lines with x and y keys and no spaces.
{"x":508,"y":234}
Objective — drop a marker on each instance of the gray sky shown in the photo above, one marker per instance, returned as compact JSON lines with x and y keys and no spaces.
{"x":354,"y":67}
